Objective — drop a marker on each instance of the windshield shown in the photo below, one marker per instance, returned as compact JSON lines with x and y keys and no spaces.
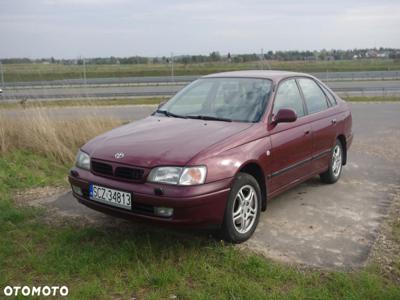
{"x":225,"y":99}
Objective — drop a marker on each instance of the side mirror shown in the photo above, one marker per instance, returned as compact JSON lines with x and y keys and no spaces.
{"x":284,"y":115}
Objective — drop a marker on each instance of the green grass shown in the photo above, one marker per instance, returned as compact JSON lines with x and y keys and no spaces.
{"x":372,"y":98}
{"x":34,"y":72}
{"x":107,"y":263}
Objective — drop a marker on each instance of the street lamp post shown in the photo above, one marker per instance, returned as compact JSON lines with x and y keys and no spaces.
{"x":2,"y":75}
{"x":172,"y":68}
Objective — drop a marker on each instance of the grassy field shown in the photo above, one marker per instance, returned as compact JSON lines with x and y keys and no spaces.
{"x":36,"y":132}
{"x":37,"y":72}
{"x":131,"y":261}
{"x":83,"y":102}
{"x":371,"y":98}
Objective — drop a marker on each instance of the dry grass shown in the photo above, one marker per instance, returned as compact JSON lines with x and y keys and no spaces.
{"x":81,"y":102}
{"x":38,"y":132}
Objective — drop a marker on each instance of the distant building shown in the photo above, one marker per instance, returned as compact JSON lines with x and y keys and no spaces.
{"x":383,"y":54}
{"x":371,"y":54}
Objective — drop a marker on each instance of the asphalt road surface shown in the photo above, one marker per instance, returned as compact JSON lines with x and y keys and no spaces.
{"x":82,"y":92}
{"x":351,"y":87}
{"x":322,"y":225}
{"x":363,"y":75}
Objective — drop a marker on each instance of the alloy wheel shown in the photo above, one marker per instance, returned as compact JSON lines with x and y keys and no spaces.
{"x":245,"y":209}
{"x":337,"y":160}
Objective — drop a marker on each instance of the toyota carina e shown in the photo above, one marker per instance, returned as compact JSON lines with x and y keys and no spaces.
{"x":217,"y":152}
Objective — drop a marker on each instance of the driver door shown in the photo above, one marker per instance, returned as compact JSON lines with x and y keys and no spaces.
{"x":291,"y":151}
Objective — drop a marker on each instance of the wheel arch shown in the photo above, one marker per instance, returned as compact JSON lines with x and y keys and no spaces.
{"x":342,"y":140}
{"x":254,"y":169}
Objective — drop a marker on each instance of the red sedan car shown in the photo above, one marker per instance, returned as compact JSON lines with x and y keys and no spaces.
{"x":216,"y":152}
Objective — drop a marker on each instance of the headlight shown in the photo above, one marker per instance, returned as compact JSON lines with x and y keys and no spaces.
{"x":169,"y":175}
{"x":82,"y":160}
{"x":178,"y":175}
{"x":193,"y":175}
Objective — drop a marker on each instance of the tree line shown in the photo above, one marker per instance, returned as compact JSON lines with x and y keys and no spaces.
{"x":216,"y":56}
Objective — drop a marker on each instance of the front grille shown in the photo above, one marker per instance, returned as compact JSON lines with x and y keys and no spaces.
{"x":102,"y":168}
{"x":127,"y":173}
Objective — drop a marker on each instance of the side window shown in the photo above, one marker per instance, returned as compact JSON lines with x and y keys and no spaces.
{"x":288,"y":96}
{"x":315,"y":98}
{"x":331,"y":98}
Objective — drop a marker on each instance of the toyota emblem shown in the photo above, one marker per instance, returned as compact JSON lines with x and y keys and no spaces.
{"x":119,"y":155}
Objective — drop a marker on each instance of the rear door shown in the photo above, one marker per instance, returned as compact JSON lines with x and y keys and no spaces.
{"x":291,"y":142}
{"x":321,"y":115}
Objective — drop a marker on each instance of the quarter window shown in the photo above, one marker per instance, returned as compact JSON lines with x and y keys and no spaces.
{"x":313,"y":95}
{"x":288,"y":96}
{"x":331,"y":98}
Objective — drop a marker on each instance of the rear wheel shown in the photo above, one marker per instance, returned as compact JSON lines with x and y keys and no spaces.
{"x":242,"y":211}
{"x":335,"y":166}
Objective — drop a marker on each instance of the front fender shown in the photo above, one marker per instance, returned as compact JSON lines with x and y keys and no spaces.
{"x":228,"y":163}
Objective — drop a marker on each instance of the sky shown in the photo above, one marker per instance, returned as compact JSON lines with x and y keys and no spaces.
{"x":101,"y":28}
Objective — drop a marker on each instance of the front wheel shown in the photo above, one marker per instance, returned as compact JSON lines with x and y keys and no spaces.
{"x":242,"y":211}
{"x":335,"y":166}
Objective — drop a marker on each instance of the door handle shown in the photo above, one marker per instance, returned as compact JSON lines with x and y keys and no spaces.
{"x":333,"y":121}
{"x":306,"y":132}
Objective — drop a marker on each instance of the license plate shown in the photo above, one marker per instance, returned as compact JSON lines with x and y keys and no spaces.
{"x":110,"y":196}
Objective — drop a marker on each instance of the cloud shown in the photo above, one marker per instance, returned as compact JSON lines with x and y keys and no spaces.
{"x":63,"y":28}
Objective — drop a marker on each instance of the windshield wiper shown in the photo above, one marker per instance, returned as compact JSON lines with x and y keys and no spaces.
{"x":211,"y":118}
{"x":169,"y":114}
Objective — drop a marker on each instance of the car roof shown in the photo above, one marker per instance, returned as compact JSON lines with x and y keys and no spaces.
{"x":275,"y":75}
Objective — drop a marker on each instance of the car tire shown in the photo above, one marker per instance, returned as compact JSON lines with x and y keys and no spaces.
{"x":243,"y":208}
{"x":335,"y":164}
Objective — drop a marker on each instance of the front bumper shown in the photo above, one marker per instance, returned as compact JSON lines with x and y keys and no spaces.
{"x":202,"y":205}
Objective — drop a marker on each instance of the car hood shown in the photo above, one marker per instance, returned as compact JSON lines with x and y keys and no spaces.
{"x":161,"y":140}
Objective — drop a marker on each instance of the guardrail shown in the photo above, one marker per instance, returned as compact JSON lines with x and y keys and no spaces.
{"x":132,"y":94}
{"x":326,"y":76}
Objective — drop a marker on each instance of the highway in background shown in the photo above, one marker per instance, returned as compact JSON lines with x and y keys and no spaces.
{"x":344,"y":83}
{"x":326,"y":76}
